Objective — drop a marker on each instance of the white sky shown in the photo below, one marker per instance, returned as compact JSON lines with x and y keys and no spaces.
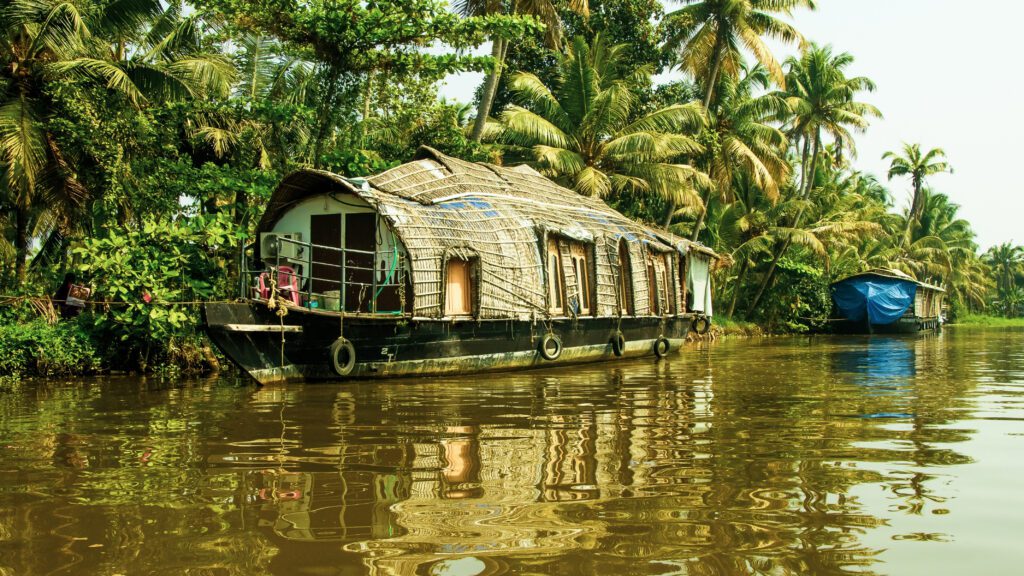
{"x":946,"y":78}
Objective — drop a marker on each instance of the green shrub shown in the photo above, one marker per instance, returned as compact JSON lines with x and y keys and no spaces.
{"x":801,"y":300}
{"x":149,"y":280}
{"x":41,"y":349}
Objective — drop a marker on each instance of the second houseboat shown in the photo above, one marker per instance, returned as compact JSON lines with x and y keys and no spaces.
{"x":886,"y":301}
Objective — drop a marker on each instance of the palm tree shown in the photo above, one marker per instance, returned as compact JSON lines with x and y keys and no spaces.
{"x":44,"y":42}
{"x":544,"y":10}
{"x":940,"y":249}
{"x":581,"y":133}
{"x":970,"y":282}
{"x":706,"y":36}
{"x":267,"y":78}
{"x":821,"y":99}
{"x":1007,"y":262}
{"x":918,"y":166}
{"x":745,"y":141}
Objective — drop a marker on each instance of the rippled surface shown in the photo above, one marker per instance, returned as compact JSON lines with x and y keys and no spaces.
{"x":782,"y":456}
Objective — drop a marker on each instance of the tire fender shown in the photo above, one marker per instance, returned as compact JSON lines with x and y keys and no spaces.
{"x":662,"y":347}
{"x":343,"y":357}
{"x":701,"y":325}
{"x":550,"y":346}
{"x":618,"y":344}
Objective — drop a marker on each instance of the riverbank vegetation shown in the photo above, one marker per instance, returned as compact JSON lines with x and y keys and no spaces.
{"x":139,"y":140}
{"x":986,"y":321}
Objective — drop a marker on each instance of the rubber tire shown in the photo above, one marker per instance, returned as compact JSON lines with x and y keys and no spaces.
{"x":550,"y":355}
{"x":701,"y":325}
{"x":618,"y":344}
{"x":662,"y":347}
{"x":343,"y":346}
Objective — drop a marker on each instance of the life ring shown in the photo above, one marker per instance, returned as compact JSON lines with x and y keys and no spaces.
{"x":701,"y":325}
{"x":550,"y":346}
{"x":661,"y":347}
{"x":343,"y":357}
{"x":618,"y":344}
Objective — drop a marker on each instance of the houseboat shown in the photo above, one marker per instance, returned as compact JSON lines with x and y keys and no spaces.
{"x":886,"y":301}
{"x":443,"y":266}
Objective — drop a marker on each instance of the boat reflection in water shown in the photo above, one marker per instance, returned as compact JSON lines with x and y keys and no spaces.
{"x":549,"y":473}
{"x":779,"y":456}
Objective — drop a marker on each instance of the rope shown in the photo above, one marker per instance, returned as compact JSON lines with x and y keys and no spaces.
{"x":278,"y":305}
{"x":6,"y":300}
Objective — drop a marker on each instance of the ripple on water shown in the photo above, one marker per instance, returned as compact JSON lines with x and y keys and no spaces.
{"x":781,"y":456}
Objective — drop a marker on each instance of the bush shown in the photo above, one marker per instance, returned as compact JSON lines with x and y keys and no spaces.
{"x":801,"y":300}
{"x":41,"y":349}
{"x":147,"y":280}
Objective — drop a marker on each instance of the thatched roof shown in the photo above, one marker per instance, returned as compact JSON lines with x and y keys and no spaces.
{"x":442,"y":207}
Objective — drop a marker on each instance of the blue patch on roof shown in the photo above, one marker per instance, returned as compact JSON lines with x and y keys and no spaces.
{"x":489,"y":210}
{"x":625,"y":233}
{"x":487,"y":207}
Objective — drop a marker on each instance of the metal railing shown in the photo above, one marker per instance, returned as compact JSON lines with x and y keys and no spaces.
{"x":348,"y":264}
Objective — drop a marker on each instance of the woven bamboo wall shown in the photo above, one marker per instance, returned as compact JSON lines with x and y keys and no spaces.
{"x":443,"y":207}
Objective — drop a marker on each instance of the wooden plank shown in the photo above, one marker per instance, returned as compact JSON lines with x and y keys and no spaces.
{"x":261,"y":328}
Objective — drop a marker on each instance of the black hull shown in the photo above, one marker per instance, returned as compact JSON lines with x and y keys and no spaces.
{"x":906,"y":325}
{"x":253,"y":338}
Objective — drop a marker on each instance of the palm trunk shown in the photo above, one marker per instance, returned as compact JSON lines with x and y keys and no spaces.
{"x":770,"y":275}
{"x":916,"y":208}
{"x":803,"y":163}
{"x":671,"y":213}
{"x":716,"y":67}
{"x":700,"y":218}
{"x":498,"y":51}
{"x":709,"y":92}
{"x":20,"y":243}
{"x":737,"y":287}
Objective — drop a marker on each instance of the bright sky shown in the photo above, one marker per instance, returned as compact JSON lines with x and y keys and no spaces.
{"x":946,"y":78}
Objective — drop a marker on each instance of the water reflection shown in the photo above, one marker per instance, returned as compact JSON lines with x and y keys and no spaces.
{"x":750,"y":457}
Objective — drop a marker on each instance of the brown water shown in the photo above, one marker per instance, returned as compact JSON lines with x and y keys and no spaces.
{"x":783,"y":456}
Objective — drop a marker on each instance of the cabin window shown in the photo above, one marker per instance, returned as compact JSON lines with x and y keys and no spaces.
{"x":625,"y":281}
{"x":652,"y":287}
{"x":661,"y":287}
{"x":459,"y":288}
{"x":669,"y":288}
{"x":556,"y":284}
{"x":581,"y":268}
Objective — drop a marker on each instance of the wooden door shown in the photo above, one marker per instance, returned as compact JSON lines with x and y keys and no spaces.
{"x":325,"y":232}
{"x":360,"y":234}
{"x":458,"y":298}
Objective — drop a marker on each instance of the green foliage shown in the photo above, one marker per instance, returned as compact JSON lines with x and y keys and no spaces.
{"x":583,"y":133}
{"x":37,"y":348}
{"x":140,"y":140}
{"x":149,"y":278}
{"x":801,"y":300}
{"x":354,"y":163}
{"x":357,"y":36}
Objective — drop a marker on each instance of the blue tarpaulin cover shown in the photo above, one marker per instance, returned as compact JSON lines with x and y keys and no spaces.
{"x":884,"y":300}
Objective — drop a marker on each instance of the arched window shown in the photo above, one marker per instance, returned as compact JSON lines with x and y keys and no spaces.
{"x":556,"y":284}
{"x":458,"y":295}
{"x":625,"y":280}
{"x":660,"y":282}
{"x":581,"y":269}
{"x":652,"y":286}
{"x":669,"y":288}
